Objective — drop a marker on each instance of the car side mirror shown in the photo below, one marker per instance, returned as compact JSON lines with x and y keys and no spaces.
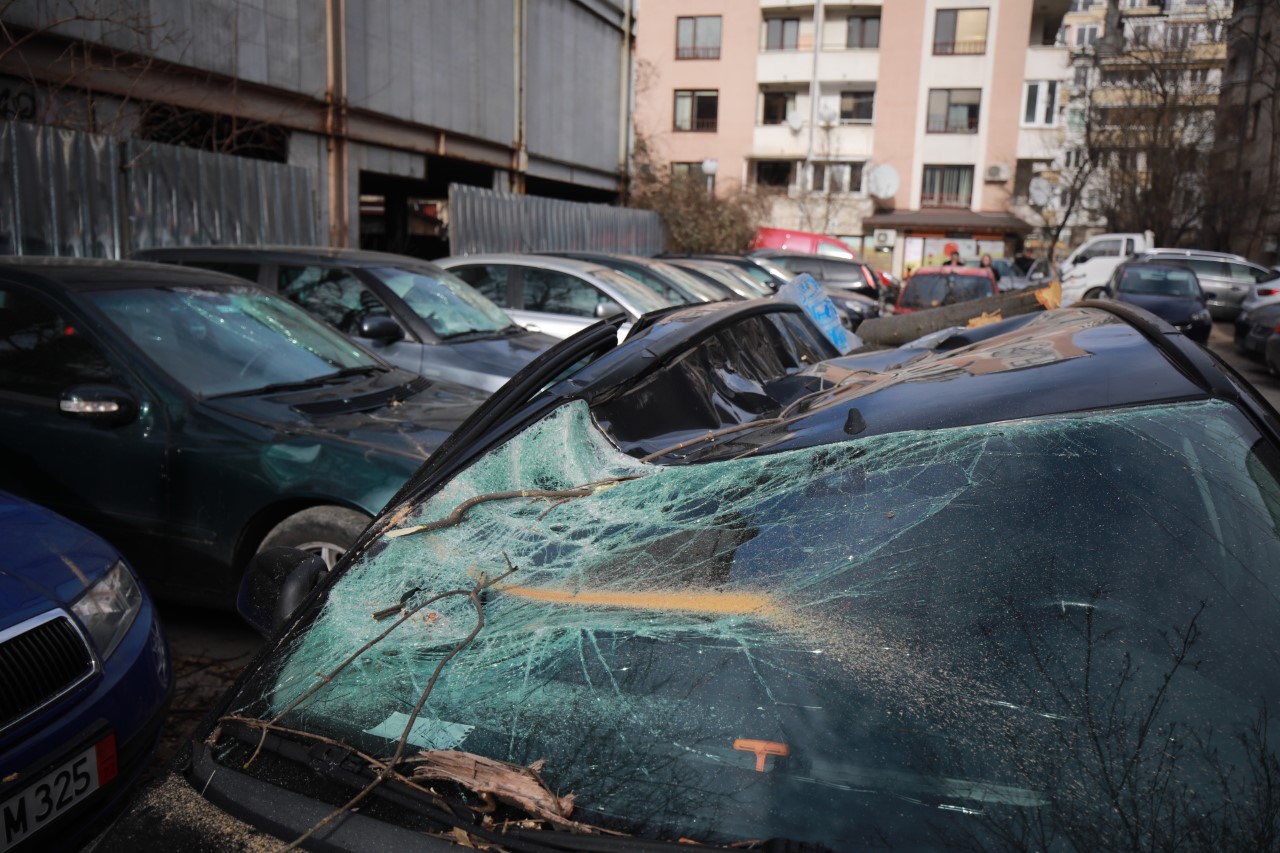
{"x":608,"y":308}
{"x":105,"y":404}
{"x":276,"y":582}
{"x":381,"y":329}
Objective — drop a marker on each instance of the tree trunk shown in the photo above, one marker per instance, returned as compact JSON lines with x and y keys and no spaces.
{"x":897,"y":329}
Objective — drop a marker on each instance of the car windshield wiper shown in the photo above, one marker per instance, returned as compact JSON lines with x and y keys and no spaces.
{"x":472,"y":334}
{"x":302,"y":384}
{"x":340,"y":763}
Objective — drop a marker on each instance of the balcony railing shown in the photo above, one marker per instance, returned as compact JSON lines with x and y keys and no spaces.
{"x":946,"y":200}
{"x":686,"y":52}
{"x":942,"y":124}
{"x":973,"y":47}
{"x":698,"y":125}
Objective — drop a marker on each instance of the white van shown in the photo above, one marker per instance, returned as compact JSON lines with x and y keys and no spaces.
{"x":1088,"y":268}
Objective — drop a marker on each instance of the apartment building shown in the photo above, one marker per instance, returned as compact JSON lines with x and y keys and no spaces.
{"x":898,"y":126}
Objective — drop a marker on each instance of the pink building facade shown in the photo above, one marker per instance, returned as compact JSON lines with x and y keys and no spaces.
{"x":895,"y":126}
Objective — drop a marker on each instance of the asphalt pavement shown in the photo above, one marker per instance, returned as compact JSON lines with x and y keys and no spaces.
{"x":1221,"y":341}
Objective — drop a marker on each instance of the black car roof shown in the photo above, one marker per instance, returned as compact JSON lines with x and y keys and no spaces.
{"x":288,"y":254}
{"x":96,"y":273}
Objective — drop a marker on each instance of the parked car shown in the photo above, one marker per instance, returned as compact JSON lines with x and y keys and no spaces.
{"x":1170,"y":291}
{"x":801,"y":241}
{"x":558,"y":296}
{"x":1225,"y":279}
{"x":671,"y":283}
{"x":762,"y":269}
{"x":1262,"y":294}
{"x":931,"y":287}
{"x":1013,"y":278}
{"x":741,"y":284}
{"x":86,"y":679}
{"x":1089,"y":267}
{"x":1254,"y":331}
{"x":832,"y":272}
{"x":191,"y":418}
{"x":410,"y":312}
{"x":717,"y":598}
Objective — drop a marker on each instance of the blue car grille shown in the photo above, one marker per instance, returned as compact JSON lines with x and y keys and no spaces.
{"x":40,"y":664}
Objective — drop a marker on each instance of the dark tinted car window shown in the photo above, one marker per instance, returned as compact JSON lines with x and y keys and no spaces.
{"x":40,"y":352}
{"x":1203,"y":267}
{"x":558,"y":293}
{"x":933,"y":289}
{"x":246,"y":271}
{"x":1159,"y":281}
{"x":331,"y":293}
{"x":490,"y":280}
{"x":813,"y":266}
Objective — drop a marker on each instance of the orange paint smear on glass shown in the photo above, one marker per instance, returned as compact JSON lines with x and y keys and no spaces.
{"x":698,"y":602}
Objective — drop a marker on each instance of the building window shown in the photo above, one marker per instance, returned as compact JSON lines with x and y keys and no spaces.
{"x":698,"y":38}
{"x":694,"y":171}
{"x":1086,"y":36}
{"x":696,"y":109}
{"x":953,"y":110}
{"x":829,"y":177}
{"x":777,"y":106}
{"x":857,"y":106}
{"x":863,"y":32}
{"x":774,"y":173}
{"x":1255,"y":116}
{"x":1075,"y":119}
{"x":947,"y":186}
{"x":781,"y":33}
{"x":960,"y":31}
{"x":1080,"y":5}
{"x":1082,"y":77}
{"x":1040,"y":103}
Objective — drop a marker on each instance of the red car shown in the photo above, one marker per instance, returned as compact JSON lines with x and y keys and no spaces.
{"x":932,"y":287}
{"x":801,"y":241}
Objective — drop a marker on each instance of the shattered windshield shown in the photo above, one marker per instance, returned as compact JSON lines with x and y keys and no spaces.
{"x":1042,"y":634}
{"x":226,"y":342}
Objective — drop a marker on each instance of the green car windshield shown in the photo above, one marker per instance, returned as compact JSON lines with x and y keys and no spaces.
{"x":450,"y":306}
{"x":228,"y":341}
{"x":1042,"y":634}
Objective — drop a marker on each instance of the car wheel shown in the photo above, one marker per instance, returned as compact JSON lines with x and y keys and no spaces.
{"x":328,"y":531}
{"x":1093,"y":293}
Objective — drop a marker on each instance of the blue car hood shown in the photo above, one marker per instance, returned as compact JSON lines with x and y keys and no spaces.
{"x":1176,"y":310}
{"x":46,"y":560}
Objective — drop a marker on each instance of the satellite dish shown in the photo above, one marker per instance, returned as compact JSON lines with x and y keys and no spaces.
{"x":795,"y":121}
{"x":1040,"y":192}
{"x":883,"y":181}
{"x":828,"y":116}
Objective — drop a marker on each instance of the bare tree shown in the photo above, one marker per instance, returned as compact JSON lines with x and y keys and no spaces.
{"x":1148,"y":126}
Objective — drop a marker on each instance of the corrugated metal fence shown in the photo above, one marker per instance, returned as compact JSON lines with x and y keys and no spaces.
{"x":76,"y":194}
{"x":482,"y":220}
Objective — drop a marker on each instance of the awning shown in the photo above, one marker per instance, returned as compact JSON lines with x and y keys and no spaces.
{"x":946,"y":219}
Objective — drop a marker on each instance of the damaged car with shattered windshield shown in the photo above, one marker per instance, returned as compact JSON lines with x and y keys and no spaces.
{"x":1015,"y":590}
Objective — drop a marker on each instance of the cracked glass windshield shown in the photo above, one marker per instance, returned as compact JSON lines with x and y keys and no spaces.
{"x":219,"y":342}
{"x":450,"y":306}
{"x":1048,"y":633}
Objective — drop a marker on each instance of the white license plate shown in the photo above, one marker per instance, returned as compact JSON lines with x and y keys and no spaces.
{"x":51,"y":796}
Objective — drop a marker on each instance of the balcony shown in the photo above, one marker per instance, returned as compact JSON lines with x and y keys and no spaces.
{"x":839,"y":64}
{"x":972,"y":47}
{"x":946,"y":200}
{"x":1048,"y":63}
{"x":952,"y":124}
{"x":784,"y":66}
{"x":778,"y":141}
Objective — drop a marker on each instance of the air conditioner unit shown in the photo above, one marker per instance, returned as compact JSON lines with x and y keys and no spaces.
{"x":884,"y":237}
{"x":997,"y":173}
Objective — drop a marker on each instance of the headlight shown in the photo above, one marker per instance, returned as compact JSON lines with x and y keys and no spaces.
{"x":1202,"y":316}
{"x":108,"y":608}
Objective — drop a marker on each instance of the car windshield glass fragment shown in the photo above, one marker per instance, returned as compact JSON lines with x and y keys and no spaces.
{"x":449,"y":305}
{"x":929,"y":290}
{"x":1046,"y":633}
{"x":228,"y":341}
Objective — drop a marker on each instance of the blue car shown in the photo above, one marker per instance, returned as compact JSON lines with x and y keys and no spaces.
{"x":1168,"y":290}
{"x":85,"y":678}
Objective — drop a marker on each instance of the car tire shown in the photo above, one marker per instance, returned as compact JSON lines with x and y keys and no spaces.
{"x":1093,"y":293}
{"x":328,"y":531}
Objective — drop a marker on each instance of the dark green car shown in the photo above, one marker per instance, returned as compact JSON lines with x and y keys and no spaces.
{"x":191,"y":419}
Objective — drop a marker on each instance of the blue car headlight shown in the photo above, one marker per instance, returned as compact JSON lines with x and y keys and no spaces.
{"x":108,"y":608}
